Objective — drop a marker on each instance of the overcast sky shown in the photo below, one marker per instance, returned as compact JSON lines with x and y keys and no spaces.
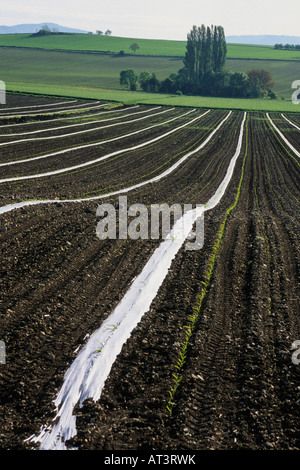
{"x":159,"y":19}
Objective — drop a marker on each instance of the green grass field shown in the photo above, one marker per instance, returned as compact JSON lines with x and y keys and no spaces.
{"x":102,"y":71}
{"x":153,"y":47}
{"x":77,"y":69}
{"x":283,"y":72}
{"x":91,"y":75}
{"x":129,"y":97}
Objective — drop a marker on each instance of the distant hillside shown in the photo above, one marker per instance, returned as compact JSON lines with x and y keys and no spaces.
{"x":266,"y":40}
{"x":262,"y":40}
{"x":94,"y":43}
{"x":33,"y":28}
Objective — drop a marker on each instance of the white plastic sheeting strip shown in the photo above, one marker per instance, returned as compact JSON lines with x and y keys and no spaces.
{"x":283,"y":137}
{"x":40,"y":105}
{"x":290,"y":122}
{"x":77,"y":116}
{"x":84,"y":131}
{"x":58,"y":111}
{"x":83,"y":123}
{"x":96,"y":144}
{"x":19,"y":205}
{"x":215,"y":199}
{"x":87,"y":374}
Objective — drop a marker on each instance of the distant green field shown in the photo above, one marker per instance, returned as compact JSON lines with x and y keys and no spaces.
{"x":128,"y":97}
{"x":95,"y":43}
{"x":284,"y":73}
{"x":77,"y":69}
{"x":153,"y":47}
{"x":103,"y":71}
{"x":249,"y":51}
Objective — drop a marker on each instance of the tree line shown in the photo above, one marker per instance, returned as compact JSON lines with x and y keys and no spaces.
{"x":203,"y":72}
{"x":255,"y":83}
{"x":287,"y":47}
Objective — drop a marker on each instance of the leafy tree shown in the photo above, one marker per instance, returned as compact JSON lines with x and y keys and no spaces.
{"x":181,"y":81}
{"x":99,"y":32}
{"x":260,"y":82}
{"x":193,"y":53}
{"x":149,"y":82}
{"x":239,"y":84}
{"x":167,"y":86}
{"x":153,"y":84}
{"x":144,"y":80}
{"x":272,"y":95}
{"x":134,"y":47}
{"x":129,"y":79}
{"x":108,"y":32}
{"x":219,"y":48}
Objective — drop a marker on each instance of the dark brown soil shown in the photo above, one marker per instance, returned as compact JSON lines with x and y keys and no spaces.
{"x":58,"y":282}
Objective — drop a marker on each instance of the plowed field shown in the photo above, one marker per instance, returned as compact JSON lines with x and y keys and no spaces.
{"x":239,"y":387}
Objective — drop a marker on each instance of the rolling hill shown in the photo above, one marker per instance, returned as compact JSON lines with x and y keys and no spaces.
{"x":92,"y":43}
{"x":32,"y":28}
